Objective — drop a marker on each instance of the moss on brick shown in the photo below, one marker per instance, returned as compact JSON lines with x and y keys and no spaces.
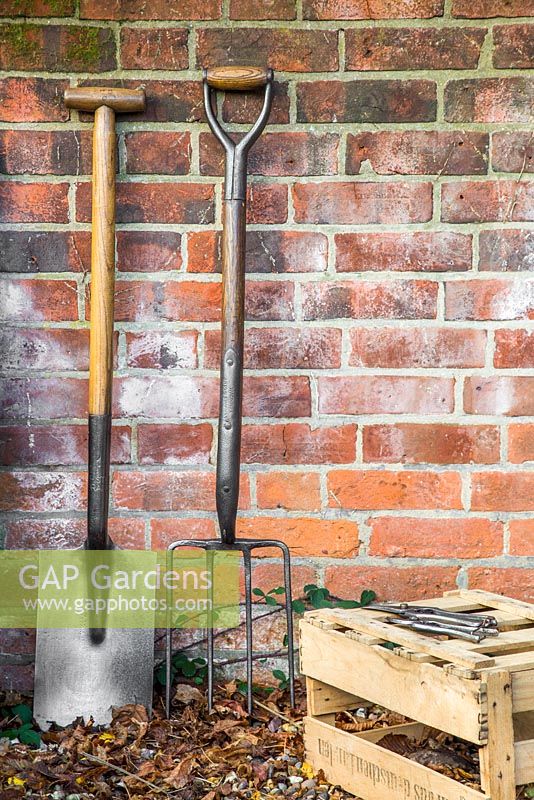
{"x":18,"y":38}
{"x":85,"y":49}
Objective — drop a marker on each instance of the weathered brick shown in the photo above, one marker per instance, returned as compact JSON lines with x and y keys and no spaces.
{"x":45,"y":152}
{"x":23,"y":300}
{"x":372,"y":9}
{"x":294,"y":491}
{"x":45,"y":251}
{"x":42,"y":491}
{"x":413,"y":48}
{"x":489,"y":299}
{"x":513,"y":46}
{"x":418,"y":152}
{"x":276,"y":154}
{"x":521,"y":537}
{"x":390,"y":583}
{"x":174,"y":444}
{"x":267,"y":251}
{"x":507,"y":250}
{"x":52,"y":534}
{"x":166,"y":100}
{"x":49,"y":445}
{"x":388,"y":394}
{"x":479,"y":9}
{"x":514,"y":349}
{"x":305,"y":537}
{"x":398,"y":299}
{"x":487,"y":201}
{"x":262,"y":9}
{"x":283,"y":49}
{"x":245,"y":107}
{"x":411,"y":443}
{"x":34,"y":348}
{"x":489,"y":100}
{"x":32,"y":100}
{"x":156,"y":48}
{"x":366,"y":101}
{"x":190,"y":203}
{"x":512,"y":151}
{"x":56,"y":48}
{"x":170,"y":491}
{"x":37,"y":8}
{"x":267,"y":204}
{"x":512,"y":582}
{"x":43,"y":398}
{"x":267,"y":575}
{"x":298,"y":443}
{"x":282,"y":348}
{"x":157,"y":9}
{"x":501,"y":395}
{"x":396,"y":537}
{"x":162,"y":349}
{"x":33,"y":202}
{"x":421,"y":251}
{"x":160,"y":152}
{"x":362,"y":203}
{"x":165,"y":530}
{"x":502,"y":491}
{"x":148,"y":251}
{"x":394,"y":348}
{"x":521,"y":443}
{"x":378,"y":489}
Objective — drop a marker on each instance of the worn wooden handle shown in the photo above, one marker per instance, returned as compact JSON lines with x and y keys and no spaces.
{"x":89,"y":98}
{"x":234,"y":78}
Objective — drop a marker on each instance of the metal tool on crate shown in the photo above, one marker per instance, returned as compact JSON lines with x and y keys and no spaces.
{"x":234,"y":78}
{"x":427,"y":619}
{"x":86,"y":671}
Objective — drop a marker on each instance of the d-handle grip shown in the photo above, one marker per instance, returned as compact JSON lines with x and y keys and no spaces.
{"x":237,"y":79}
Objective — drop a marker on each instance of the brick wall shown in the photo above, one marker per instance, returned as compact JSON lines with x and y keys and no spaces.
{"x":389,"y":391}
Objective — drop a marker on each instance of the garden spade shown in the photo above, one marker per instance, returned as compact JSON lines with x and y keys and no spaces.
{"x":85,"y":672}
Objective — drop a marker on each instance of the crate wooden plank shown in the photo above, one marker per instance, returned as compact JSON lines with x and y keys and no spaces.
{"x":524,"y":726}
{"x":523,"y":691}
{"x":412,"y":729}
{"x":424,"y":692}
{"x":506,"y":642}
{"x":368,"y":770}
{"x":325,"y":699}
{"x":499,"y":602}
{"x":524,"y":762}
{"x":497,"y":757}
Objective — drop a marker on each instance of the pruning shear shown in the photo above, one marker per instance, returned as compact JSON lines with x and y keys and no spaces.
{"x":427,"y":619}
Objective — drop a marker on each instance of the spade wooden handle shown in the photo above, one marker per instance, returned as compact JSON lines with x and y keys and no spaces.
{"x":236,"y":79}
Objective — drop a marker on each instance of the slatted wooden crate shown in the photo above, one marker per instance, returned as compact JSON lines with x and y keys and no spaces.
{"x":482,"y":693}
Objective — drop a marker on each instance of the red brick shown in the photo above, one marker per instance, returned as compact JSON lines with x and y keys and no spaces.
{"x":294,"y":491}
{"x":267,"y":251}
{"x":45,"y":251}
{"x":166,"y":100}
{"x":45,"y":152}
{"x":476,"y":9}
{"x":162,"y":349}
{"x":52,"y":534}
{"x":156,"y":48}
{"x":521,"y":537}
{"x":298,"y":443}
{"x":387,"y":394}
{"x":188,"y":203}
{"x":418,"y":152}
{"x":174,"y":444}
{"x":25,"y":445}
{"x":56,"y":48}
{"x":366,"y":101}
{"x":32,"y":100}
{"x":411,"y":443}
{"x":169,"y":491}
{"x":392,"y":348}
{"x":305,"y":537}
{"x":489,"y":100}
{"x":283,"y":49}
{"x":413,"y":48}
{"x":266,"y":204}
{"x":421,"y":251}
{"x":157,"y":9}
{"x":514,"y":348}
{"x":262,"y":9}
{"x":489,"y":299}
{"x":362,"y":203}
{"x":160,"y":152}
{"x":278,"y":154}
{"x":17,"y":641}
{"x":268,"y":575}
{"x":164,"y":530}
{"x":394,"y":299}
{"x":371,"y":490}
{"x":245,"y":107}
{"x":31,"y":300}
{"x":512,"y":151}
{"x":282,"y":348}
{"x":33,"y":202}
{"x":488,"y":201}
{"x":372,"y":9}
{"x":36,"y":349}
{"x":509,"y":250}
{"x":42,"y":491}
{"x":513,"y":46}
{"x":43,"y":398}
{"x":501,"y":395}
{"x":401,"y":537}
{"x":512,"y":582}
{"x":37,"y":8}
{"x":520,"y":443}
{"x":148,"y":251}
{"x":390,"y":583}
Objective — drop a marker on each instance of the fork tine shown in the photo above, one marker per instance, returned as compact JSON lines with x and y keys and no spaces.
{"x":248,"y":623}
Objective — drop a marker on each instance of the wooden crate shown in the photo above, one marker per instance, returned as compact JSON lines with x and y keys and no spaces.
{"x":482,"y":693}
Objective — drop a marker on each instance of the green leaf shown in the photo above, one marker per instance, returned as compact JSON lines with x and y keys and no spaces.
{"x":310,"y":587}
{"x":161,"y":675}
{"x":318,"y":601}
{"x":23,"y":712}
{"x":298,"y":606}
{"x":271,"y":601}
{"x":279,"y":675}
{"x":278,"y":590}
{"x":529,"y":790}
{"x":10,"y":733}
{"x":198,"y":680}
{"x":348,"y":604}
{"x":258,"y":592}
{"x":30,"y":737}
{"x":189,"y":669}
{"x":367,"y":596}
